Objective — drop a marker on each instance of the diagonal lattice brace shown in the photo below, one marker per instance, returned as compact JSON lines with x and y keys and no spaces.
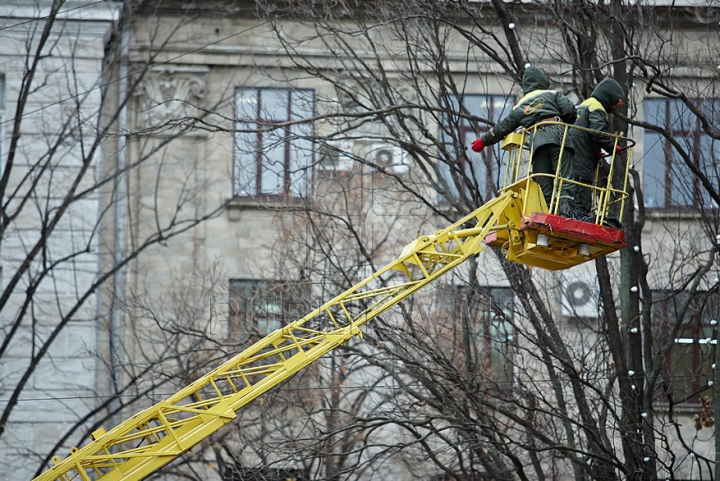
{"x":154,"y":437}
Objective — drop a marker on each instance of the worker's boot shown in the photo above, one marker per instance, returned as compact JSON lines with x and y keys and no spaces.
{"x":583,"y":215}
{"x":612,"y":221}
{"x":566,"y":206}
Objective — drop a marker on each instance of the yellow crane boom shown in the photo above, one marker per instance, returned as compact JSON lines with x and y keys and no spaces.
{"x":514,"y":221}
{"x":173,"y":426}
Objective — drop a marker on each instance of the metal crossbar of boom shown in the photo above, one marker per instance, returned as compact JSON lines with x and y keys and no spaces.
{"x":154,"y":437}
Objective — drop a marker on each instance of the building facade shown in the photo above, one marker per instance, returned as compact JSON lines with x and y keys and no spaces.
{"x":259,"y":158}
{"x":51,"y":81}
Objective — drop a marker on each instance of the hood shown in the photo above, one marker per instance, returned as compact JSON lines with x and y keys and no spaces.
{"x":534,"y":79}
{"x":608,"y":92}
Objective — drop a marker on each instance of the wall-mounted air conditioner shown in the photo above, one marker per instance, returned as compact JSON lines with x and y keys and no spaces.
{"x":335,"y":156}
{"x":580,"y":293}
{"x":390,"y":157}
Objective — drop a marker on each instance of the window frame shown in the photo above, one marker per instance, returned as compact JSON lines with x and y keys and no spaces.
{"x":291,"y":135}
{"x":2,"y":116}
{"x":294,"y":304}
{"x":491,"y":300}
{"x":491,"y":157}
{"x":698,"y":321}
{"x":669,"y":160}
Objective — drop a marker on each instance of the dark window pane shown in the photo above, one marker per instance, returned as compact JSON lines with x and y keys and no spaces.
{"x":655,"y":111}
{"x":301,"y":143}
{"x":246,"y":104}
{"x":273,"y":163}
{"x":245,"y":159}
{"x":274,"y":104}
{"x":301,"y":152}
{"x":479,"y":106}
{"x":303,"y":104}
{"x":681,"y":367}
{"x":709,"y":163}
{"x":654,"y":173}
{"x":484,"y":170}
{"x":682,"y":179}
{"x":711,"y":109}
{"x":681,"y":118}
{"x":259,"y":307}
{"x":501,"y":334}
{"x":688,"y":365}
{"x":501,"y":106}
{"x":489,"y":311}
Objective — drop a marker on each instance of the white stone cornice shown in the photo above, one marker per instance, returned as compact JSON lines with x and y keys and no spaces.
{"x":77,"y":10}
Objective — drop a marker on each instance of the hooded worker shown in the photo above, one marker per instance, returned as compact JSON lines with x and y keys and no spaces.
{"x":537,"y":105}
{"x":593,"y":114}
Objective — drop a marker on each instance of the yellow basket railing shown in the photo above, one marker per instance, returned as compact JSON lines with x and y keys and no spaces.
{"x":608,"y":193}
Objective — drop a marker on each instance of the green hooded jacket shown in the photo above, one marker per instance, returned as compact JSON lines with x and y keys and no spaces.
{"x":593,"y":114}
{"x":537,"y":104}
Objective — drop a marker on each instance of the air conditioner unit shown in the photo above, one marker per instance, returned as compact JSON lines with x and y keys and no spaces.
{"x":335,"y":156}
{"x":390,"y":157}
{"x":580,"y":292}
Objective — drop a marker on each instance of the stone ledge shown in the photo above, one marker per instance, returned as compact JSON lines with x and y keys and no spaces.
{"x":661,"y":214}
{"x":236,"y":205}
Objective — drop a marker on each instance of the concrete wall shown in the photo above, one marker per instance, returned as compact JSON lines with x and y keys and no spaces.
{"x":67,"y":83}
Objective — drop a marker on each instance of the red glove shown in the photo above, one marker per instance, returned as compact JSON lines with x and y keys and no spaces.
{"x":478,"y":145}
{"x":618,"y":150}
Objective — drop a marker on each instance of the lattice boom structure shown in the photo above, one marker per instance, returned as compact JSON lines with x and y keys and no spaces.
{"x":156,"y":436}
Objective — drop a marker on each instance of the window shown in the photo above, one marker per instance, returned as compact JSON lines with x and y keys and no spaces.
{"x":259,"y":307}
{"x":667,"y":180}
{"x":489,"y":311}
{"x":2,"y":112}
{"x":688,"y":366}
{"x":272,"y":154}
{"x":486,"y":168}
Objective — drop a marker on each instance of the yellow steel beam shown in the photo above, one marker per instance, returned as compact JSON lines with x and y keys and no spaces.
{"x":154,"y":437}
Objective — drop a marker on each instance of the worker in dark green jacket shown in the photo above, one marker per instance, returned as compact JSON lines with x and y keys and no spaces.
{"x":537,"y":105}
{"x":592,"y":114}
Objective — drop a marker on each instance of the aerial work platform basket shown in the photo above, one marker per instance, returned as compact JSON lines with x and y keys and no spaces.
{"x":536,"y":235}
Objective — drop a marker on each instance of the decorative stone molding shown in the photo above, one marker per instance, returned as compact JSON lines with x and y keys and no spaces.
{"x":166,"y":98}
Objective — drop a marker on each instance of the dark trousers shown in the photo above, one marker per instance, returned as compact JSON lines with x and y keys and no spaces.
{"x":583,"y":170}
{"x":545,"y":161}
{"x":582,"y":195}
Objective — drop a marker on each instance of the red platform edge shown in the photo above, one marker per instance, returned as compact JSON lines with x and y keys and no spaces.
{"x":575,"y":228}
